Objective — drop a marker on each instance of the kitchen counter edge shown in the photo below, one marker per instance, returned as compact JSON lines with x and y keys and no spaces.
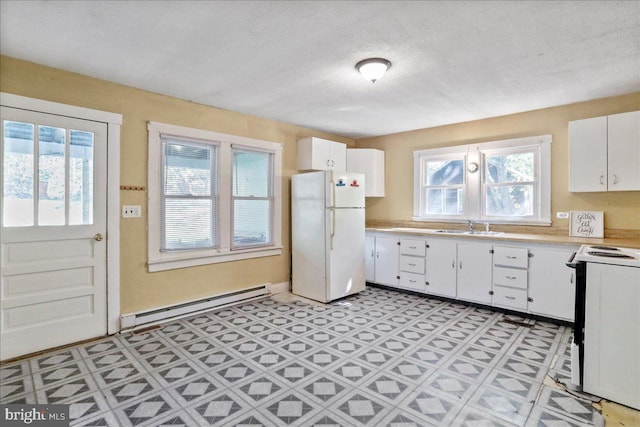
{"x":513,"y":237}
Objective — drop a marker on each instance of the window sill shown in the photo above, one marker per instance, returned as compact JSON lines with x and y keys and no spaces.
{"x":192,"y":260}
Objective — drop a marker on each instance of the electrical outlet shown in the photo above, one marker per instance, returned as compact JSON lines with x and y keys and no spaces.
{"x":562,"y":215}
{"x":131,"y":211}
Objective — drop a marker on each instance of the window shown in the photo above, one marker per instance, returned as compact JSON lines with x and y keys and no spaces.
{"x":252,"y":198}
{"x":443,"y":186}
{"x":189,"y":195}
{"x":510,"y":186}
{"x":500,"y":181}
{"x":213,"y":197}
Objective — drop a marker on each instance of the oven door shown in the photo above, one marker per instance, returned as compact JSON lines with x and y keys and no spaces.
{"x":579,"y":310}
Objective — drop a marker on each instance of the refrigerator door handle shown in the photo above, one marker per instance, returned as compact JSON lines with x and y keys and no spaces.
{"x":333,"y":225}
{"x":333,"y":210}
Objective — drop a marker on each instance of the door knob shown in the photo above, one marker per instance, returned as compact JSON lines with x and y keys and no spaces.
{"x":97,"y":237}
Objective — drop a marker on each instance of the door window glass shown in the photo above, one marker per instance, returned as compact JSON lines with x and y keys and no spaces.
{"x":18,"y":167}
{"x":81,"y":177}
{"x":51,"y":175}
{"x":57,"y":172}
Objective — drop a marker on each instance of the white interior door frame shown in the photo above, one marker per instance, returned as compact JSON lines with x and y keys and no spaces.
{"x":114,"y":122}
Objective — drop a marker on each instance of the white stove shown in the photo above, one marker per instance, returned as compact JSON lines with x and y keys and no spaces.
{"x":606,"y":335}
{"x":609,"y":255}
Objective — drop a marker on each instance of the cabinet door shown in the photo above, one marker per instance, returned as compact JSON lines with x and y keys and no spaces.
{"x":441,"y":268}
{"x":321,"y":154}
{"x":369,"y":162}
{"x":338,"y":157}
{"x":474,"y":272}
{"x":370,"y":258}
{"x":387,"y":260}
{"x":588,"y":155}
{"x":552,"y":285}
{"x":624,"y":151}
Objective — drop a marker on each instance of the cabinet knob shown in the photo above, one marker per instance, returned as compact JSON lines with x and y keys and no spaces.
{"x":490,"y":292}
{"x":530,"y":299}
{"x":426,"y":283}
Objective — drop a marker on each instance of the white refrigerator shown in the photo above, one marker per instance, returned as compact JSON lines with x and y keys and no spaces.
{"x":327,"y":234}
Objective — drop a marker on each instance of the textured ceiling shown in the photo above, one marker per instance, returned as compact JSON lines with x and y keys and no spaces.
{"x":453,"y":61}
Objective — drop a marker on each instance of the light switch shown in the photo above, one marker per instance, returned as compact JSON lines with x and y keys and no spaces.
{"x":131,"y":211}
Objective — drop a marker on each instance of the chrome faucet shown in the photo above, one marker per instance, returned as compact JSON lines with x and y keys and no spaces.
{"x":470,"y":226}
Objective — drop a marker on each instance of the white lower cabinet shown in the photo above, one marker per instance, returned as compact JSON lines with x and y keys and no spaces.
{"x":552,"y":285}
{"x":441,"y":267}
{"x":412,"y":263}
{"x":370,"y":258}
{"x":514,"y":299}
{"x":510,"y":277}
{"x":474,"y":272}
{"x":387,"y":260}
{"x":530,"y":278}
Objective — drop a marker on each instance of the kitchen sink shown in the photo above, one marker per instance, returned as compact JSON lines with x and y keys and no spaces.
{"x":479,"y":233}
{"x":485,"y":233}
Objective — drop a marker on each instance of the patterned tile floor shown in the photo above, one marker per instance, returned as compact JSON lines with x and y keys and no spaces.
{"x":381,"y":358}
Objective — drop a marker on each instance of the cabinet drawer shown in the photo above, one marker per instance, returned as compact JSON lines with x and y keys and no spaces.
{"x":510,"y":277}
{"x":511,"y":298}
{"x":510,"y":257}
{"x":413,"y":247}
{"x":412,"y":281}
{"x":412,"y":264}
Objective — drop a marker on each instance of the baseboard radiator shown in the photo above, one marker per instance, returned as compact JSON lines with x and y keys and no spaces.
{"x":144,"y":319}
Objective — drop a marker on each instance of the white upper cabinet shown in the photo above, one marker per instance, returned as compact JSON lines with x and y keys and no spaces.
{"x":369,"y":162}
{"x":604,"y":153}
{"x":321,"y":154}
{"x":623,"y":151}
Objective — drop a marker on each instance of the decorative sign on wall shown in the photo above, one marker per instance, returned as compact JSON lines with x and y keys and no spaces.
{"x":586,"y":224}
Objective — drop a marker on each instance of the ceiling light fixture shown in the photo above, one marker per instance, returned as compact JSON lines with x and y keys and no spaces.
{"x":373,"y":69}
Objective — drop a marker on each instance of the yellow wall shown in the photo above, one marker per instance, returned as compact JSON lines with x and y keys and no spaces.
{"x":140,"y":289}
{"x":621,"y":209}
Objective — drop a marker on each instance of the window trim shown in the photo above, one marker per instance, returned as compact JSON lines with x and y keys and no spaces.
{"x":160,"y":261}
{"x":474,"y":197}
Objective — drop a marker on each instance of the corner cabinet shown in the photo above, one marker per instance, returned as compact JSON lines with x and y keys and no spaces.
{"x":321,"y":154}
{"x":604,"y":153}
{"x":369,"y":162}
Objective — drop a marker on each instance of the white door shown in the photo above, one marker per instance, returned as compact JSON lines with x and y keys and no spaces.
{"x":623,"y":151}
{"x":346,"y":257}
{"x":387,"y":260}
{"x":53,"y":242}
{"x":370,"y":258}
{"x":588,"y":155}
{"x":552,"y":286}
{"x":441,"y":268}
{"x":474,"y":272}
